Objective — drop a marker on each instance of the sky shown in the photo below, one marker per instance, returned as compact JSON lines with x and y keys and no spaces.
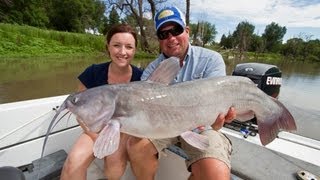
{"x":300,"y":17}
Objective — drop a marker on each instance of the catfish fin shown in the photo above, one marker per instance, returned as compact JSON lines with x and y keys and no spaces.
{"x":166,"y":71}
{"x":196,"y":140}
{"x":268,"y":129}
{"x":108,"y":140}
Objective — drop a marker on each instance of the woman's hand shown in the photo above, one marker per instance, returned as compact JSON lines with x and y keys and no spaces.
{"x":86,"y":130}
{"x":221,"y":119}
{"x":92,"y":135}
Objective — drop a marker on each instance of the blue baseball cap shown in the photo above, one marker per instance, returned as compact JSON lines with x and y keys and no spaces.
{"x":169,"y":14}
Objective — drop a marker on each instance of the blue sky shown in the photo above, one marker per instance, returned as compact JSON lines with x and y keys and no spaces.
{"x":300,"y":17}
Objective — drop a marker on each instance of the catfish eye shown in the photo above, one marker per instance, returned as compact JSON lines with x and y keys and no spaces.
{"x":74,"y":100}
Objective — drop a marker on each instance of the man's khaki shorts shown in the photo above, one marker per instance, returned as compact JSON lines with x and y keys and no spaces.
{"x":219,"y":147}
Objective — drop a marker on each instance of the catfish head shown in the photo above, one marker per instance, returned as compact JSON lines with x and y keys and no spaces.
{"x":93,"y":107}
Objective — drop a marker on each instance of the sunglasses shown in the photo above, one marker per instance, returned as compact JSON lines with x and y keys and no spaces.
{"x":175,"y":31}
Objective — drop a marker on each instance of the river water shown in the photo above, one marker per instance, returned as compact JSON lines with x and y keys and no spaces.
{"x":24,"y":79}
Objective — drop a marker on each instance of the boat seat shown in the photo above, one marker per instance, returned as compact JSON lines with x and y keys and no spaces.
{"x":12,"y":173}
{"x":47,"y":167}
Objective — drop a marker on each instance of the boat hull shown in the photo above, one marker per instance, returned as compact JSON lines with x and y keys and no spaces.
{"x":25,"y":123}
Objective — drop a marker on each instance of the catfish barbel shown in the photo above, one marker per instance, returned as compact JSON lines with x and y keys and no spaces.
{"x":153,"y":109}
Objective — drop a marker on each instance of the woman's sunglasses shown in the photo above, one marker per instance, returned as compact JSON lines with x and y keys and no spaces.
{"x":175,"y":31}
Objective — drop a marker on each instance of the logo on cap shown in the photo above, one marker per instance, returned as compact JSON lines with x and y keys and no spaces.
{"x":165,"y":13}
{"x":169,"y":14}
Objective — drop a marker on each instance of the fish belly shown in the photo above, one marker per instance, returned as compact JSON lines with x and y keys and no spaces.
{"x":168,"y":111}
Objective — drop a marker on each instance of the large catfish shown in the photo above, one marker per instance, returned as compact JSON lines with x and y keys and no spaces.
{"x":157,"y":109}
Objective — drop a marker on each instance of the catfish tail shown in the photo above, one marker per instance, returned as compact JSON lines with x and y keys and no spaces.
{"x":269,"y":128}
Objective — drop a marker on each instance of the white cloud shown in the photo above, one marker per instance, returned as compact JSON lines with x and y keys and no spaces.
{"x":228,"y":13}
{"x":260,"y":12}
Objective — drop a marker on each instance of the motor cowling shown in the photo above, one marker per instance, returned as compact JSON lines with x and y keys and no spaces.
{"x":267,"y":77}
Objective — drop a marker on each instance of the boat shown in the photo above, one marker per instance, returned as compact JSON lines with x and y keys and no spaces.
{"x":25,"y":123}
{"x":21,"y":143}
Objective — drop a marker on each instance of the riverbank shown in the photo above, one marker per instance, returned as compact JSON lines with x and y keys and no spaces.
{"x":25,"y":41}
{"x":18,"y":41}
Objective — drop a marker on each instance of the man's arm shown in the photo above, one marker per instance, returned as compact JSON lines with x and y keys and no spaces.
{"x":215,"y":67}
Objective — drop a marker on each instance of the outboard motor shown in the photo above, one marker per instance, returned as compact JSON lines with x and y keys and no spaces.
{"x":267,"y":77}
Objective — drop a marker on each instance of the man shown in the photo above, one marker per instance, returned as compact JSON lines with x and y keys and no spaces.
{"x":195,"y":62}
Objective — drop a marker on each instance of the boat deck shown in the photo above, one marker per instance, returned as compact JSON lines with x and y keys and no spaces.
{"x":171,"y":167}
{"x":249,"y":161}
{"x":22,"y":141}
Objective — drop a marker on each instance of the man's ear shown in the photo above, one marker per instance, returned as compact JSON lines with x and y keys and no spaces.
{"x":187,"y":29}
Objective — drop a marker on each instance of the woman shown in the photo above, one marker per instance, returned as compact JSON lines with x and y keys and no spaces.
{"x":121,"y":45}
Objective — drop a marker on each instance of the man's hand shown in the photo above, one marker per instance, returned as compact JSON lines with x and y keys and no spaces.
{"x":221,"y":119}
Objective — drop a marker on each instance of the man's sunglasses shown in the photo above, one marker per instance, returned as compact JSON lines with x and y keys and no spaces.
{"x":175,"y":31}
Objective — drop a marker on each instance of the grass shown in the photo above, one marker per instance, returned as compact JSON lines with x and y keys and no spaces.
{"x":27,"y":41}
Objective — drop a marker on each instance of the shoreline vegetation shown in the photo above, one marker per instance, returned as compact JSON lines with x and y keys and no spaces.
{"x":21,"y":41}
{"x":27,"y":42}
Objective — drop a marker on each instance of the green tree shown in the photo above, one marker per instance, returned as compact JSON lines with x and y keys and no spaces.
{"x":208,"y":33}
{"x":257,"y":44}
{"x":32,"y":12}
{"x":194,"y":33}
{"x":314,"y":46}
{"x":292,"y":48}
{"x":203,"y":33}
{"x":98,"y":17}
{"x":227,"y":42}
{"x":273,"y":35}
{"x":114,"y":18}
{"x":64,"y":15}
{"x":75,"y":15}
{"x":242,"y":36}
{"x":298,"y":49}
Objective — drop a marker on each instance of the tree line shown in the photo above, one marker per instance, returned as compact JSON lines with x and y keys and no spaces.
{"x":61,"y":15}
{"x":244,"y":40}
{"x":99,"y":15}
